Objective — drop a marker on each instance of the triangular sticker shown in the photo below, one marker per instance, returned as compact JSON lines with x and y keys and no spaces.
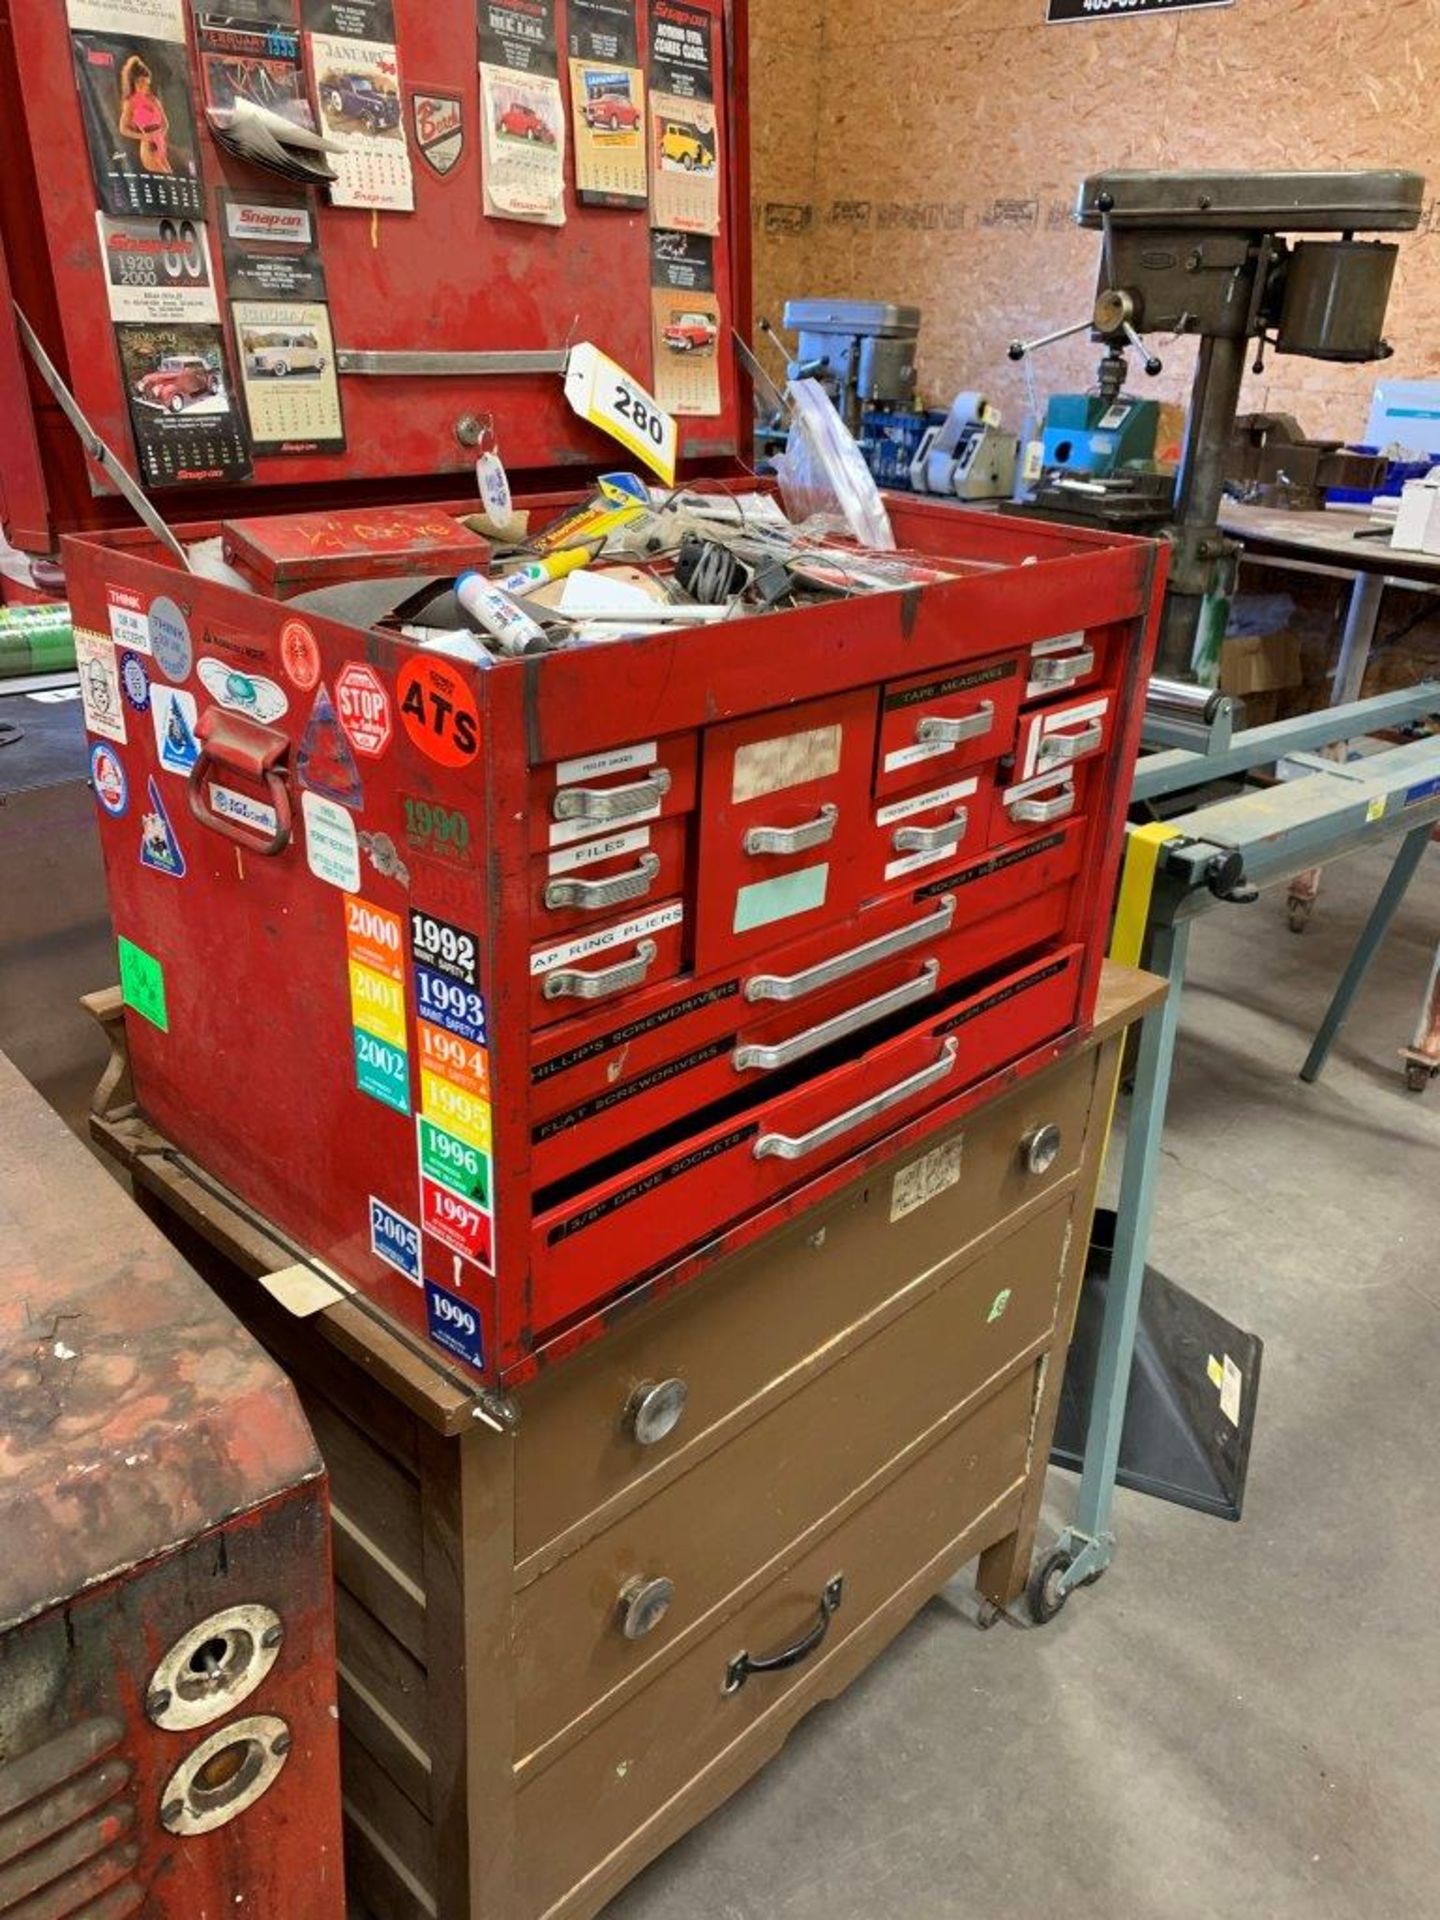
{"x":158,"y":846}
{"x":325,"y":762}
{"x":174,"y":729}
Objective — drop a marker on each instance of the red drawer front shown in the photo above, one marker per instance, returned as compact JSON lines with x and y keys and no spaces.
{"x":610,"y":963}
{"x":760,"y":1038}
{"x":617,"y":872}
{"x":1053,"y":738}
{"x":1026,"y":810}
{"x":586,"y":1248}
{"x":932,"y":726}
{"x":928,"y":830}
{"x":1068,"y":662}
{"x":785,"y":816}
{"x":574,"y":800}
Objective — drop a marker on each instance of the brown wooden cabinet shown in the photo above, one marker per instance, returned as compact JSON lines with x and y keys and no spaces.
{"x":563,"y":1641}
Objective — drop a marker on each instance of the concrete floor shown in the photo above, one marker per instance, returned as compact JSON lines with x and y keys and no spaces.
{"x":1240,"y":1719}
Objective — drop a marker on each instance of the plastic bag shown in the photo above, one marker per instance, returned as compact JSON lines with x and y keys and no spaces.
{"x":823,"y":476}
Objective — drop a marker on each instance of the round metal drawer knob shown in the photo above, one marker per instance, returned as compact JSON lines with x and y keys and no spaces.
{"x":1040,"y":1148}
{"x":643,"y":1605}
{"x":655,"y":1410}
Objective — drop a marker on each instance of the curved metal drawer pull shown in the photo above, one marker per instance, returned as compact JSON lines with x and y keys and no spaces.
{"x":1059,"y":669}
{"x":795,"y":986}
{"x":1071,"y":746}
{"x":934,"y":839}
{"x":575,"y":983}
{"x":590,"y":895}
{"x":937,"y":731}
{"x":784,"y":1146}
{"x":744,"y":1664}
{"x":1039,"y":813}
{"x":611,"y":803}
{"x":785,"y":1052}
{"x":813,"y":833}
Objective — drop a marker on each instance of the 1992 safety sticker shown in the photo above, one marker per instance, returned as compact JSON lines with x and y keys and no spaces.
{"x":395,"y":1240}
{"x":454,"y":1324}
{"x":442,"y":947}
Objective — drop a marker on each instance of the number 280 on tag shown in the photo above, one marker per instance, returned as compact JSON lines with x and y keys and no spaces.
{"x":601,"y":391}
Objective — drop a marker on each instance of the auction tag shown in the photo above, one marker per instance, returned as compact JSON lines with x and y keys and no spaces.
{"x":601,"y":392}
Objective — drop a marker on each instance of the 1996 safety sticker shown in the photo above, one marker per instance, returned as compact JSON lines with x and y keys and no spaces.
{"x":454,"y":1324}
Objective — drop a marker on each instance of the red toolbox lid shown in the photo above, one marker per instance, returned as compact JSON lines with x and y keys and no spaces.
{"x":445,"y":282}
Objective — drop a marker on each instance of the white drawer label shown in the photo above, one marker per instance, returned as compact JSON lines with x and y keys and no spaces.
{"x":563,"y":832}
{"x":604,"y":938}
{"x":927,"y":1178}
{"x":923,"y":802}
{"x":608,"y":847}
{"x":617,"y":760}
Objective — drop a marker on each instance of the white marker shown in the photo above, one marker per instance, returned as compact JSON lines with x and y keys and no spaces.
{"x":513,"y":631}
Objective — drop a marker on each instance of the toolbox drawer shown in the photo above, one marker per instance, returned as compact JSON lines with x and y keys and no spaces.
{"x":759,"y":1492}
{"x":574,"y":800}
{"x":1029,"y":809}
{"x":927,"y":829}
{"x":579,"y":1444}
{"x":618,"y":871}
{"x":784,"y":817}
{"x":618,"y":1229}
{"x":625,"y":1769}
{"x":931,"y":726}
{"x":777,"y":1020}
{"x":1053,"y":738}
{"x":606,"y":963}
{"x":1068,"y":662}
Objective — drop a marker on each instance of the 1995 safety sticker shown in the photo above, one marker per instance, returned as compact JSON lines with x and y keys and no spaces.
{"x":395,"y":1240}
{"x":454,"y":1324}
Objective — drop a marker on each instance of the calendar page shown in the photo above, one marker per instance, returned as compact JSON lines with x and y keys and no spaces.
{"x":684,"y":127}
{"x":522,"y":114}
{"x":355,"y":69}
{"x":685,"y":322}
{"x":607,"y":97}
{"x":287,"y":374}
{"x":182,"y":404}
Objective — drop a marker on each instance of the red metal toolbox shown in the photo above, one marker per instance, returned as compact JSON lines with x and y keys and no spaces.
{"x":513,"y":994}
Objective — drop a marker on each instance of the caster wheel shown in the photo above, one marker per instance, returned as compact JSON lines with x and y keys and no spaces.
{"x":986,"y":1614}
{"x":1091,"y":1578}
{"x":1417,"y":1078}
{"x":1299,"y":915}
{"x":1044,"y":1595}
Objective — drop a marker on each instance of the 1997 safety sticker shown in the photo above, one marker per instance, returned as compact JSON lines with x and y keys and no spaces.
{"x":454,"y":1324}
{"x":395,"y":1240}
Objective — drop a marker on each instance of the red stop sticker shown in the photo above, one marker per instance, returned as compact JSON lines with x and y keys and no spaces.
{"x":439,"y":710}
{"x":364,"y":708}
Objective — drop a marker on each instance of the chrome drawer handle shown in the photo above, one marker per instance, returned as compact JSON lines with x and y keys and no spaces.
{"x":785,"y":1146}
{"x":654,"y":1410}
{"x":612,"y":803}
{"x":936,"y":731}
{"x":934,"y":839}
{"x":643,"y":1605}
{"x":1071,"y":746}
{"x":814,"y":833}
{"x":1039,"y":813}
{"x":795,"y":986}
{"x":1059,"y":669}
{"x":575,"y":983}
{"x":785,"y":1052}
{"x":591,"y":895}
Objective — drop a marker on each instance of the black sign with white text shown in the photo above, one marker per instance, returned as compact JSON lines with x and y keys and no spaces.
{"x":1058,"y":11}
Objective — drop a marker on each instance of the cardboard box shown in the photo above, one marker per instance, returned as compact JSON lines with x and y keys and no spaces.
{"x":1260,"y":663}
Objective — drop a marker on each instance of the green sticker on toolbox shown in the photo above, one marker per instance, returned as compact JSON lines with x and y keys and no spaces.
{"x":382,"y":1071}
{"x":455,"y":1163}
{"x":142,"y":984}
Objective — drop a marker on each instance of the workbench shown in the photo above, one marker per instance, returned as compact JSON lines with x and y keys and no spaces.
{"x":564,"y":1641}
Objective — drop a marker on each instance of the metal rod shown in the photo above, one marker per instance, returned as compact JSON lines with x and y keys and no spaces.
{"x":1183,"y":696}
{"x":1397,"y":883}
{"x":405,"y":364}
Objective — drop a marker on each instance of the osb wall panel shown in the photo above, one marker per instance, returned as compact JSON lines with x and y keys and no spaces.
{"x":931,"y":154}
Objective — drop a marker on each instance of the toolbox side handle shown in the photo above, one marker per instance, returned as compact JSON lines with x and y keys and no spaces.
{"x":786,"y":1052}
{"x":786,"y":1146}
{"x":940,"y":730}
{"x":580,"y":983}
{"x":235,"y":742}
{"x":612,"y":803}
{"x":795,"y":986}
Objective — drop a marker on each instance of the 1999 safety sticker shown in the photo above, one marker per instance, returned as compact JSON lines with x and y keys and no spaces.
{"x":454,"y":1324}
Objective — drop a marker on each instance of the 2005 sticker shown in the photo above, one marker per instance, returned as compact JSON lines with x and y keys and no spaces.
{"x":395,"y":1240}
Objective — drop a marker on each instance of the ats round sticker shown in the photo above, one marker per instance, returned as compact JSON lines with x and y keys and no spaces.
{"x":248,"y":693}
{"x":107,"y":776}
{"x":170,"y":639}
{"x":299,"y":655}
{"x":439,"y":710}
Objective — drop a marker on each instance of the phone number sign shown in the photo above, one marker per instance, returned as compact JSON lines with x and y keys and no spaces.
{"x":1058,"y":11}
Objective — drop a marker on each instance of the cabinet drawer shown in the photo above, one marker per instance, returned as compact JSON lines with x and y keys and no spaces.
{"x":574,"y":800}
{"x":931,"y":726}
{"x":579,"y":1443}
{"x":957,"y":1497}
{"x":616,"y":872}
{"x":920,"y":951}
{"x":927,"y":829}
{"x":772,"y":1482}
{"x":626,"y":1225}
{"x":605,"y":963}
{"x":1068,"y":662}
{"x":784,"y":818}
{"x":1031,"y":809}
{"x":1053,"y":738}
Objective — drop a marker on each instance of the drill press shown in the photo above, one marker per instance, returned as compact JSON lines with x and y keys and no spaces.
{"x":1205,"y":254}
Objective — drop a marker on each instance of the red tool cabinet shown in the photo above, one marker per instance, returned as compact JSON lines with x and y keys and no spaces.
{"x":516,"y":995}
